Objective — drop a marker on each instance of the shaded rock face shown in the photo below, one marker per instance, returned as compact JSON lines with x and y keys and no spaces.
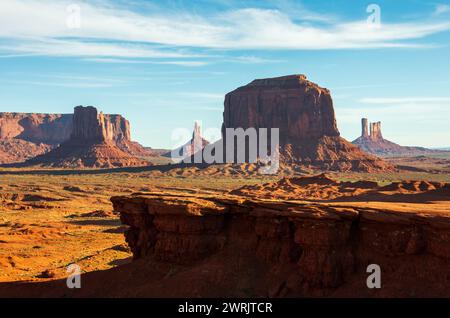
{"x":24,"y":136}
{"x":299,"y":108}
{"x":50,"y":129}
{"x":374,"y":143}
{"x":304,"y":114}
{"x":88,"y":126}
{"x":91,"y":126}
{"x":92,"y":144}
{"x":286,"y":248}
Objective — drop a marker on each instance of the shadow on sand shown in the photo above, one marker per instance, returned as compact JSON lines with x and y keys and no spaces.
{"x":65,"y":172}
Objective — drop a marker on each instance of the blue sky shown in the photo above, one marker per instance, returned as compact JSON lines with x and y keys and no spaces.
{"x":165,"y":64}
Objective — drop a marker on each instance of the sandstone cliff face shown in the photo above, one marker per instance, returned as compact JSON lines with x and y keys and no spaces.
{"x":88,"y":126}
{"x":304,"y":114}
{"x":91,"y":145}
{"x":30,"y":135}
{"x":375,"y":131}
{"x":374,"y":143}
{"x":284,"y":248}
{"x":299,"y":108}
{"x":51,"y":129}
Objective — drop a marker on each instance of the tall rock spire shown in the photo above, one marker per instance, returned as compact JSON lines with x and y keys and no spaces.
{"x":90,"y":145}
{"x":364,"y":127}
{"x":375,"y":131}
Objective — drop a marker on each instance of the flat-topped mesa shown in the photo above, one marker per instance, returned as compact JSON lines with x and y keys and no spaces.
{"x":304,"y":114}
{"x":299,"y":108}
{"x":285,"y":81}
{"x":27,"y":135}
{"x":50,"y":129}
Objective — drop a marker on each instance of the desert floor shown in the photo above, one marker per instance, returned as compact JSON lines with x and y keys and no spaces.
{"x":52,"y":218}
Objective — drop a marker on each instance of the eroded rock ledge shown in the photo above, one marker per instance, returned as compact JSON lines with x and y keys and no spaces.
{"x":305,"y":249}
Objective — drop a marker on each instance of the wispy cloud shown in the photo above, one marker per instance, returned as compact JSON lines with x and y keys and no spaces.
{"x":110,"y":31}
{"x":254,"y":60}
{"x":64,"y":80}
{"x":64,"y":84}
{"x":77,"y":47}
{"x":140,"y":61}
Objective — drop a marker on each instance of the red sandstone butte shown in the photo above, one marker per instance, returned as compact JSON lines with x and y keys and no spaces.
{"x":91,"y":144}
{"x":304,"y":113}
{"x":27,"y":135}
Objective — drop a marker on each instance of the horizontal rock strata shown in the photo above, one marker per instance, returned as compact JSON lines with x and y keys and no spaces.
{"x":306,"y":249}
{"x":304,"y":114}
{"x":27,"y":135}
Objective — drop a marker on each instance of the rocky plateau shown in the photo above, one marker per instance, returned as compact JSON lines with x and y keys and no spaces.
{"x":27,"y":135}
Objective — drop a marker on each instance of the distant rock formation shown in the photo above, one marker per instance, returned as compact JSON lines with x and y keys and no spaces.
{"x":27,"y":135}
{"x":304,"y":114}
{"x":375,"y":131}
{"x":374,"y":143}
{"x":197,"y":143}
{"x":91,"y":144}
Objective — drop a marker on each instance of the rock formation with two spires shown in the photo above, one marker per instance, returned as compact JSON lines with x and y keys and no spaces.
{"x":372,"y":141}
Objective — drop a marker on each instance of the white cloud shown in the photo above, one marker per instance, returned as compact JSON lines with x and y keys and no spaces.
{"x":64,"y":80}
{"x":254,"y":60}
{"x":56,"y":47}
{"x":39,"y":27}
{"x":64,"y":84}
{"x":129,"y":61}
